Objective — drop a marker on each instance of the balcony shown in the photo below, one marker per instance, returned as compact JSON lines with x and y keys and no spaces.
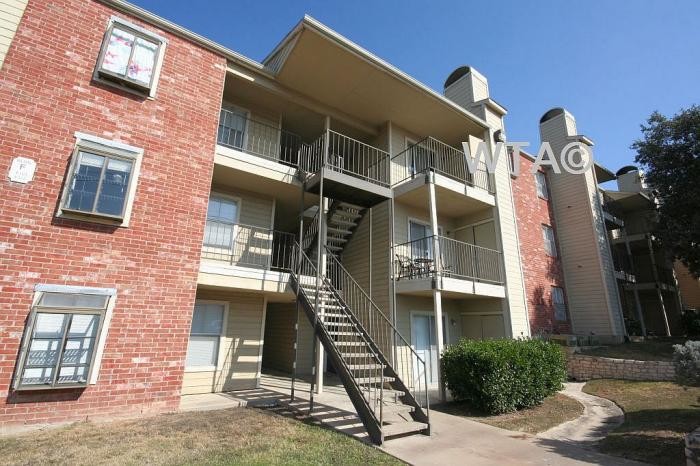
{"x":612,"y":213}
{"x":463,"y":268}
{"x":242,"y":256}
{"x":459,"y":190}
{"x":352,"y":171}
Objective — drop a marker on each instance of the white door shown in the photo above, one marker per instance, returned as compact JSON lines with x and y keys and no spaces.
{"x":424,"y":344}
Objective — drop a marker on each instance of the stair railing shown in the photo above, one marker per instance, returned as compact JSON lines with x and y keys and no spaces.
{"x":408,"y":365}
{"x":360,"y":365}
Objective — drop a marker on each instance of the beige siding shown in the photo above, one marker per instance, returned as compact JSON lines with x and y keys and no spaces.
{"x":278,"y":353}
{"x":591,"y":290}
{"x":239,"y":348}
{"x":11,"y":12}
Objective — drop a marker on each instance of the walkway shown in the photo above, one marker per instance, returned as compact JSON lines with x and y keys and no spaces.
{"x":454,"y":440}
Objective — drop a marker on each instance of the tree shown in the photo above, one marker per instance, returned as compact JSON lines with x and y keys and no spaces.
{"x":669,"y":154}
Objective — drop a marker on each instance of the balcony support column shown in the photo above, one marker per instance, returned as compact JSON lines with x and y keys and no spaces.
{"x":437,"y":293}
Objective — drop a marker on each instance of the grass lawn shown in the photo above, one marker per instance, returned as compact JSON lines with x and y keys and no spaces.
{"x":232,"y":436}
{"x":553,"y":411}
{"x":649,"y":350}
{"x":657,"y":417}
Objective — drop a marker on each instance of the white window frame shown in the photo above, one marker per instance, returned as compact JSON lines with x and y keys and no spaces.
{"x":107,"y":148}
{"x":562,"y":303}
{"x":100,"y":337}
{"x":123,"y":84}
{"x":221,"y":351}
{"x":246,"y":129}
{"x":541,"y":185}
{"x":236,"y":222}
{"x":550,"y":245}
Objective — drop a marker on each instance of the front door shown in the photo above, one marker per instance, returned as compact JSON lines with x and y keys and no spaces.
{"x":424,"y":344}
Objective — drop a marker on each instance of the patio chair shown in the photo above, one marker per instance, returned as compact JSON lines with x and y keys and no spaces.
{"x":407,"y":268}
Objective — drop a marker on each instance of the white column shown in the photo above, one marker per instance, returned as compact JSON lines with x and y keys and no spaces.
{"x":437,"y":294}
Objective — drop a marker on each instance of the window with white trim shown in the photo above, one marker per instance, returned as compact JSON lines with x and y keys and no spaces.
{"x":558,"y":303}
{"x":222,"y":216}
{"x":131,"y":57}
{"x":541,"y":183}
{"x":550,"y":245}
{"x":205,"y":336}
{"x":60,"y":341}
{"x":101,"y":180}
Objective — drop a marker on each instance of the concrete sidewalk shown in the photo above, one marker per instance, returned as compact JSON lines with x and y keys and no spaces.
{"x":458,"y":441}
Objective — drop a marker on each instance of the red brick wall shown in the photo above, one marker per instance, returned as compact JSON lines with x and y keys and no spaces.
{"x":541,"y":271}
{"x":46,"y":94}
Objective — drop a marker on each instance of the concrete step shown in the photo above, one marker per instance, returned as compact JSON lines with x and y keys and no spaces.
{"x":358,"y":367}
{"x":372,"y":380}
{"x":395,"y":408}
{"x":350,"y":343}
{"x":403,"y":428}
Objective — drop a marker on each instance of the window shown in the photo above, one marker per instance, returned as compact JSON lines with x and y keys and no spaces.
{"x":131,"y":56}
{"x":222,"y":216}
{"x":541,"y":183}
{"x":102,"y":179}
{"x":207,"y":327}
{"x":550,"y":244}
{"x":233,"y":122}
{"x":558,"y":303}
{"x":61,"y":340}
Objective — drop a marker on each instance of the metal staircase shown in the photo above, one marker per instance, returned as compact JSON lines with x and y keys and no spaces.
{"x":341,"y":222}
{"x":368,"y":353}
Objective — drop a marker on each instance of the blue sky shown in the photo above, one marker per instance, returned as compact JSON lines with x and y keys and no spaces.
{"x":610,"y":63}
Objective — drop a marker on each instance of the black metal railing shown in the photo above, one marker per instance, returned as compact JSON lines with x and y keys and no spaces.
{"x":431,"y":154}
{"x":347,"y":155}
{"x":416,"y":259}
{"x":264,"y":140}
{"x":249,"y":246}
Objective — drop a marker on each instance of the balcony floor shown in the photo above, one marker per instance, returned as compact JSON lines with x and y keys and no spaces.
{"x":348,"y":188}
{"x":451,"y":287}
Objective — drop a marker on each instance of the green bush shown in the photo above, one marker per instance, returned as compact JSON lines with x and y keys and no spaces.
{"x":686,"y":359}
{"x":500,"y":376}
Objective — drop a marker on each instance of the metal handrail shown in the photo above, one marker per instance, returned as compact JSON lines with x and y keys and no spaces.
{"x":379,"y":327}
{"x":258,"y":138}
{"x":430,"y":154}
{"x":415,"y":259}
{"x":349,"y":156}
{"x":248,"y":246}
{"x":311,"y":232}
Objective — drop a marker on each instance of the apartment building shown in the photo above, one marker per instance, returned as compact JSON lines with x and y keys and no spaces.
{"x":647,"y":283}
{"x":176,"y":217}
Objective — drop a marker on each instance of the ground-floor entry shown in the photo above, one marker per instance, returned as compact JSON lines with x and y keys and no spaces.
{"x":425,"y":345}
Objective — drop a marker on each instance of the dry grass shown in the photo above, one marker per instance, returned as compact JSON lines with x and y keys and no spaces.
{"x":657,"y":417}
{"x":650,"y":350}
{"x":233,"y":436}
{"x":553,"y":411}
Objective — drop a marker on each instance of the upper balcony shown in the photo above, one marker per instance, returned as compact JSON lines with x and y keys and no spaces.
{"x":458,"y":190}
{"x":462,"y":269}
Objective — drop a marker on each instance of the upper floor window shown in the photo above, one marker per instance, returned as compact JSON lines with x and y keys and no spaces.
{"x":62,"y":338}
{"x":222,"y":216}
{"x":550,"y":244}
{"x":558,"y":303}
{"x":102,"y":179}
{"x":131,"y":56}
{"x":541,"y":183}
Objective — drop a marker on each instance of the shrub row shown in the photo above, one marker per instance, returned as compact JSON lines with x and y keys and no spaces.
{"x":499,"y":376}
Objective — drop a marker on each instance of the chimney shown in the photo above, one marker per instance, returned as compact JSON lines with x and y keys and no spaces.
{"x":631,"y":180}
{"x":465,"y":86}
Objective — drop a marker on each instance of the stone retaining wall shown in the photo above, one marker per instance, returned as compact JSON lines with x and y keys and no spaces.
{"x":582,"y":367}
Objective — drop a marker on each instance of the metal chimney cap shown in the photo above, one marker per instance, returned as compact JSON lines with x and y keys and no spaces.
{"x":456,"y":74}
{"x":552,"y":113}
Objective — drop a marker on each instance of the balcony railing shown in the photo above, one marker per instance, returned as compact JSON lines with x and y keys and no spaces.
{"x":349,"y":156}
{"x":248,"y":246}
{"x":433,"y":155}
{"x":416,"y":259}
{"x":254,"y":137}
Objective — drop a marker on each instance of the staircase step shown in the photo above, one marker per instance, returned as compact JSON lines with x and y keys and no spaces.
{"x":403,"y":428}
{"x":337,"y":240}
{"x":349,"y":205}
{"x":357,"y":355}
{"x":335,"y":323}
{"x":343,"y":334}
{"x":350,"y":343}
{"x":341,"y":221}
{"x":334,"y":248}
{"x":340,"y":231}
{"x":365,"y":366}
{"x":396,"y":408}
{"x":371,"y":380}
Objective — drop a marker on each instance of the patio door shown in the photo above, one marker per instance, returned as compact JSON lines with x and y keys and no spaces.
{"x":421,"y":243}
{"x":425,"y":345}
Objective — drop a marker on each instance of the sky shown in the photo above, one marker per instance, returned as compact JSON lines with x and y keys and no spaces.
{"x":610,"y":63}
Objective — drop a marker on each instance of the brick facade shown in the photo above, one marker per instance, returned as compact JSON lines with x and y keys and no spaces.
{"x":46,"y":95}
{"x":540,"y":271}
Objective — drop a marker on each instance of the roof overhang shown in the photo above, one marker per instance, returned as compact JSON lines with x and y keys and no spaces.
{"x":602,"y":174}
{"x":629,"y":201}
{"x":315,"y":60}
